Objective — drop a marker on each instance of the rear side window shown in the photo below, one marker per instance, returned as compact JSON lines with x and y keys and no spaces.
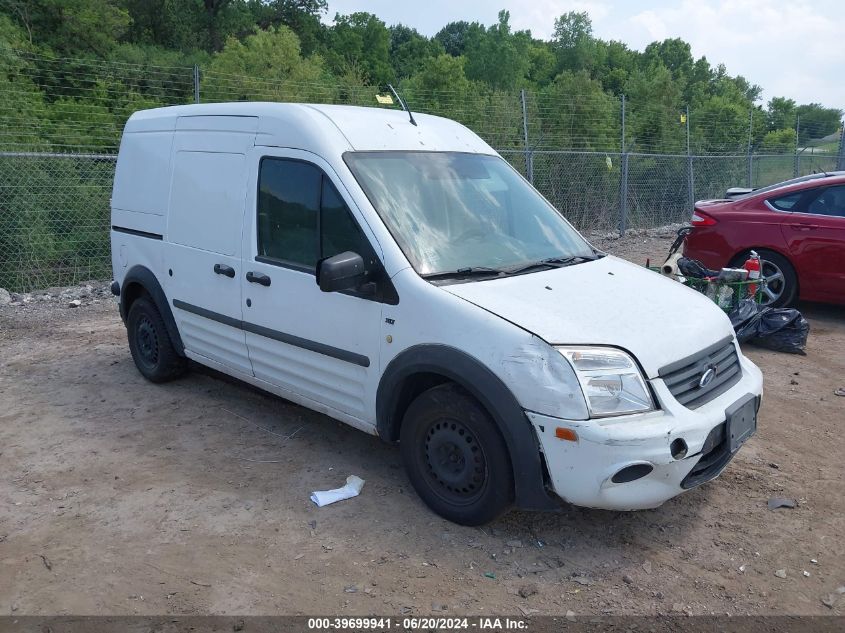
{"x":786,"y":203}
{"x":830,"y":201}
{"x":301,"y":216}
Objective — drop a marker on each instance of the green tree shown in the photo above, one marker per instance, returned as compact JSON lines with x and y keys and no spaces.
{"x":653,"y":111}
{"x":675,"y":55}
{"x":266,"y":66}
{"x":720,"y":125}
{"x":22,"y":105}
{"x":362,"y":41}
{"x":153,"y":22}
{"x":542,"y":62}
{"x":575,"y":111}
{"x":614,"y":64}
{"x":72,"y":26}
{"x":698,"y":84}
{"x":453,"y":37}
{"x":778,"y":141}
{"x":571,"y":29}
{"x":441,"y":81}
{"x":573,"y":41}
{"x":221,"y":18}
{"x":498,"y":57}
{"x":409,"y":50}
{"x":441,"y":87}
{"x":781,"y":113}
{"x":816,"y":121}
{"x":301,"y":16}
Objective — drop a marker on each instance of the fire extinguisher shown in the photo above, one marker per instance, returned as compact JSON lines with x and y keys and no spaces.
{"x":752,"y":265}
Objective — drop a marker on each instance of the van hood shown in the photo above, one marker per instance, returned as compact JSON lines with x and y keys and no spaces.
{"x":605,"y":302}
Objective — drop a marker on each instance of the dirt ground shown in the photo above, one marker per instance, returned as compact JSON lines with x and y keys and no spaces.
{"x":118,"y":496}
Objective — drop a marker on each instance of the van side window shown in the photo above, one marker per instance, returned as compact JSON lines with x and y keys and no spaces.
{"x":301,"y":216}
{"x":338,"y":231}
{"x":288,"y":211}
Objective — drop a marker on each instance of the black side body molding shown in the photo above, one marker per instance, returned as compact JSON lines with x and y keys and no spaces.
{"x":145,"y":278}
{"x":491,"y":392}
{"x":152,"y":236}
{"x":290,"y":339}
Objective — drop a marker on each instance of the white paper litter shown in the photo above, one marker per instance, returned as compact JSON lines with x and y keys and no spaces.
{"x":351,"y":489}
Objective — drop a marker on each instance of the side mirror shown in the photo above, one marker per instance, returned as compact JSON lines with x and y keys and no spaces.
{"x":344,"y":271}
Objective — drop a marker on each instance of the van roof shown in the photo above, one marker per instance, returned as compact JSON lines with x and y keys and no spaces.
{"x":323,"y":128}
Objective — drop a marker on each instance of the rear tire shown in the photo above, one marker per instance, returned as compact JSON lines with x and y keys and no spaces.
{"x":782,"y":283}
{"x":455,"y":456}
{"x":150,"y":344}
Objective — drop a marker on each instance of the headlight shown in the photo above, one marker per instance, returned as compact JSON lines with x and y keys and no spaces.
{"x":610,"y":379}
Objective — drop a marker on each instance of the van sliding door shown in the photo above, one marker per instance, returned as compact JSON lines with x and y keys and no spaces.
{"x":203,"y":242}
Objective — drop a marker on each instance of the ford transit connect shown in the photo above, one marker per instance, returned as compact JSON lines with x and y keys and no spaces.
{"x":401,"y":277}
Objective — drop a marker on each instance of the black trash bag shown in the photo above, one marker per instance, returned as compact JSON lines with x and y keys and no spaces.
{"x":782,"y":330}
{"x":779,"y":329}
{"x":745,"y":318}
{"x":694,"y":268}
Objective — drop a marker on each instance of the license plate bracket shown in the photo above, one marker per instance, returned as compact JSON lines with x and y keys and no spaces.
{"x":741,"y":421}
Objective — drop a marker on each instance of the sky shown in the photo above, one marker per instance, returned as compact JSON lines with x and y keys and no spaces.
{"x":791,"y":48}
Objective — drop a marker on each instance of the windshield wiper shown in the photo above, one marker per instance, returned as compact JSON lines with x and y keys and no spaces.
{"x":484,"y":271}
{"x":553,"y":262}
{"x":469,"y":271}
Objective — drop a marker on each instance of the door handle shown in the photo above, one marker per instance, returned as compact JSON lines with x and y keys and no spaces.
{"x":803,"y":226}
{"x":223,"y":269}
{"x":258,"y":278}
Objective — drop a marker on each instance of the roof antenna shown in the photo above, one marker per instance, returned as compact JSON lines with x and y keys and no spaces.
{"x":402,"y":103}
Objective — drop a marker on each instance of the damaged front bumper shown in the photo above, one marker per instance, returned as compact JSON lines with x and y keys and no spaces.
{"x":640,"y":461}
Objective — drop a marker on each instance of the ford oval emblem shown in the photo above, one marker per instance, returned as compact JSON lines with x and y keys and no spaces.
{"x":707,"y":377}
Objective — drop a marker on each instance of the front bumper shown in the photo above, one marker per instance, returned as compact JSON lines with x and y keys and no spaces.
{"x":582,"y":472}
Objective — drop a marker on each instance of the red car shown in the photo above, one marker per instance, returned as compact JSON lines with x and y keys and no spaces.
{"x":797,"y":227}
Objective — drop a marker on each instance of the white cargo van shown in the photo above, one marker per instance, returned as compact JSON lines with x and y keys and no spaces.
{"x":401,"y":277}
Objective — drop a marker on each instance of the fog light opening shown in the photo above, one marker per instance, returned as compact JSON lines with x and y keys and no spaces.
{"x":631,"y":473}
{"x":678,"y":448}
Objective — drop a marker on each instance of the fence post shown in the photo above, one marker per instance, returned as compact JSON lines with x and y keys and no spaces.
{"x":796,"y":163}
{"x":690,"y":178}
{"x":529,"y":156}
{"x":750,"y":155}
{"x":196,"y":83}
{"x":623,"y":181}
{"x":840,"y":164}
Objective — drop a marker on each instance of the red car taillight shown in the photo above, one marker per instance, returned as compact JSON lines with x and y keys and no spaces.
{"x":699,"y":218}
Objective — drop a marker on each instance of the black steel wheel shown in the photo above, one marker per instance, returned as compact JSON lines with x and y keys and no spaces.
{"x":455,"y":460}
{"x":150,"y":345}
{"x":455,"y":456}
{"x":148,"y":342}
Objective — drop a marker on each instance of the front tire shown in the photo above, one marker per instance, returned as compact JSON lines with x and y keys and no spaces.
{"x":150,"y":344}
{"x":455,"y":456}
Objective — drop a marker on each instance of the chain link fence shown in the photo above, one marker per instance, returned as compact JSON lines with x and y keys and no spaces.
{"x":54,"y":219}
{"x":60,"y":124}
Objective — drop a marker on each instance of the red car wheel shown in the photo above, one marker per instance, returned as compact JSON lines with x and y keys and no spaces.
{"x":781,"y":287}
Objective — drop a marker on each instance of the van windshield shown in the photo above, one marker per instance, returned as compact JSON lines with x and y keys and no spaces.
{"x":453,"y":212}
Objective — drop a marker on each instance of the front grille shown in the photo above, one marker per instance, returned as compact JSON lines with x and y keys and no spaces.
{"x":683,"y":377}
